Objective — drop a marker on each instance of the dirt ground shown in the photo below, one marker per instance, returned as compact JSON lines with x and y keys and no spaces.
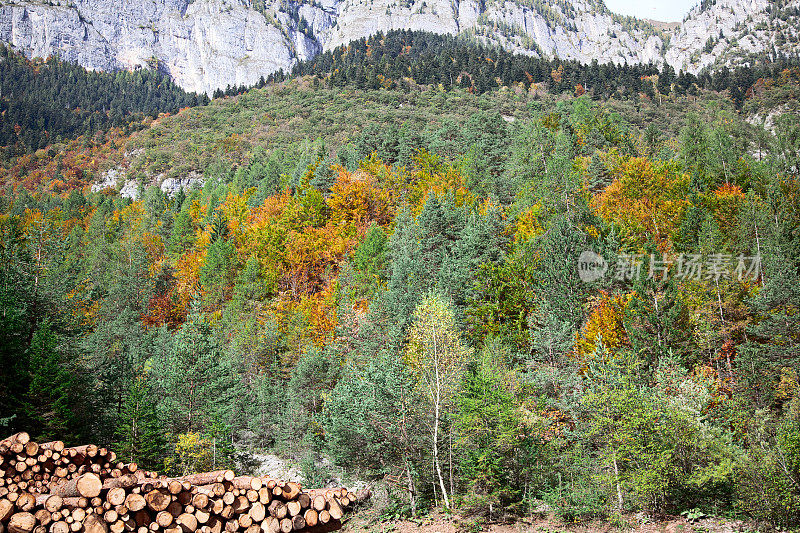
{"x":445,"y":524}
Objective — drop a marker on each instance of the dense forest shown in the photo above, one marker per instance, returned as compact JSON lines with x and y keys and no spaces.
{"x":402,"y":57}
{"x":486,"y":300}
{"x":42,"y":102}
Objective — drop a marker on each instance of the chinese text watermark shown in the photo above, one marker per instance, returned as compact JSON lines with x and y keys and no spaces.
{"x":629,"y":267}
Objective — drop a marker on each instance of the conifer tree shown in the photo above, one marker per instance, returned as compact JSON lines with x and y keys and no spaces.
{"x":383,"y":432}
{"x":196,"y":380}
{"x":52,"y":390}
{"x":406,"y":274}
{"x":139,"y":435}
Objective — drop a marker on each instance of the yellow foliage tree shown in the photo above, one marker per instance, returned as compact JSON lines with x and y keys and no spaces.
{"x":431,"y":174}
{"x":605,"y":323}
{"x":312,"y":257}
{"x":725,"y":202}
{"x":194,"y":453}
{"x":357,"y":200}
{"x":236,"y":213}
{"x":646,"y":201}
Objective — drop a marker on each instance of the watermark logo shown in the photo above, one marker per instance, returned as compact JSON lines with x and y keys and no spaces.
{"x":629,"y":267}
{"x":591,"y":266}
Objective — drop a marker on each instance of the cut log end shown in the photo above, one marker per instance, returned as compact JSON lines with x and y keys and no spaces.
{"x":21,"y":523}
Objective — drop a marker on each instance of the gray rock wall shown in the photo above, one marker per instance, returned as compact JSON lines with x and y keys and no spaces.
{"x":210,"y":44}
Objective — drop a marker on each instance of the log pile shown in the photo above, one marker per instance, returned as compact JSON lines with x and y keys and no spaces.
{"x":50,"y":488}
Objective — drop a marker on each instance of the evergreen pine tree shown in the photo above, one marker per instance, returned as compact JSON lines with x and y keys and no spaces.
{"x":52,"y":388}
{"x":139,"y":435}
{"x":196,"y":380}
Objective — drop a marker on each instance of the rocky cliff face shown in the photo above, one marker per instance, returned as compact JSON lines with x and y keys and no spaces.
{"x":578,"y":29}
{"x":731,"y":32}
{"x":203,"y":45}
{"x":209,"y":44}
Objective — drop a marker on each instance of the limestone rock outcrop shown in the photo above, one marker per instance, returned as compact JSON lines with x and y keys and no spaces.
{"x":209,"y":44}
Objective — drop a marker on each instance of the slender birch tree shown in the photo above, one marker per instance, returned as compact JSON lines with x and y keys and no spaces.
{"x":437,"y":357}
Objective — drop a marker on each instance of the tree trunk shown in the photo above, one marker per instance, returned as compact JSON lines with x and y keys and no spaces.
{"x":87,"y":485}
{"x":616,"y":476}
{"x":450,"y":457}
{"x":411,"y":495}
{"x":437,"y":407}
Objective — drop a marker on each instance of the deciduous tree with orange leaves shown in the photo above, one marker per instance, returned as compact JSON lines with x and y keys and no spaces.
{"x":645,"y":201}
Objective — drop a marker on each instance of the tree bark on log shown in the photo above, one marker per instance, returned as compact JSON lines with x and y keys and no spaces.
{"x":19,"y":438}
{"x":87,"y":485}
{"x":56,"y":446}
{"x":51,"y":502}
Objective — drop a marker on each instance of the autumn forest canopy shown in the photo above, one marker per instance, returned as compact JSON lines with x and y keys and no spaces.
{"x":496,"y":282}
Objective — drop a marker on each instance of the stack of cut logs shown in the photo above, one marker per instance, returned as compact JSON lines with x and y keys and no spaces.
{"x":49,"y":488}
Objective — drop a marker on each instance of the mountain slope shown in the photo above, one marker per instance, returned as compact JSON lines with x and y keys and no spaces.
{"x":732,"y":32}
{"x":209,"y":44}
{"x":45,"y":102}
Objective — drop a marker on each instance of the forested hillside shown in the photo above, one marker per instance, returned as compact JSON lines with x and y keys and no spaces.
{"x":487,"y":301}
{"x":42,"y":102}
{"x":400,"y":58}
{"x":47,"y":102}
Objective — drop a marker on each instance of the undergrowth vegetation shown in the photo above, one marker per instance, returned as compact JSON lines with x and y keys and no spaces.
{"x":491,"y":301}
